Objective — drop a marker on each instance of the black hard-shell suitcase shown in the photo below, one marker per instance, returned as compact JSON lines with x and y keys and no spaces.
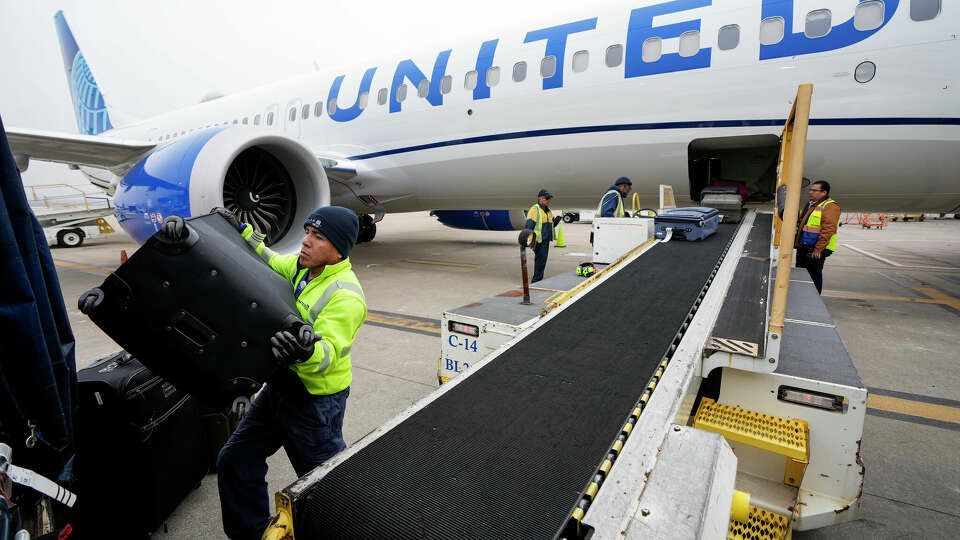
{"x":199,"y":312}
{"x":140,"y":449}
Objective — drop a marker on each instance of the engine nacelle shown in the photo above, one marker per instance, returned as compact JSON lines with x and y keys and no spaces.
{"x":270,"y":181}
{"x":482,"y":220}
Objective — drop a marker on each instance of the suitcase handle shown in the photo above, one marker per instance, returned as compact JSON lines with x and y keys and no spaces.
{"x":192,"y":330}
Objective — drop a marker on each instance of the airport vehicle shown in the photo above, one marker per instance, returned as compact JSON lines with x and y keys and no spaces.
{"x":476,"y":124}
{"x":68,"y":220}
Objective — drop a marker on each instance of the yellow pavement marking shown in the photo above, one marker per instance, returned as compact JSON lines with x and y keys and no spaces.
{"x":934,"y":297}
{"x":914,"y":408}
{"x":82,"y":267}
{"x":403,"y":322}
{"x":442,"y":263}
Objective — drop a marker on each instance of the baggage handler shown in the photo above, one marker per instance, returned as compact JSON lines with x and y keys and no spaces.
{"x":817,"y":232}
{"x":611,"y":203}
{"x":301,"y":407}
{"x":540,"y":221}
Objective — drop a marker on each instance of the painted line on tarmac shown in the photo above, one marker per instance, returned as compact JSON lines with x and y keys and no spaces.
{"x":405,"y":323}
{"x":914,"y":408}
{"x":933,"y":296}
{"x":442,"y":263}
{"x":86,"y":268}
{"x":896,"y":264}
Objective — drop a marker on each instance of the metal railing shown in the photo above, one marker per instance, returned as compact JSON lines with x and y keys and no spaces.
{"x":793,"y":147}
{"x":49,"y":201}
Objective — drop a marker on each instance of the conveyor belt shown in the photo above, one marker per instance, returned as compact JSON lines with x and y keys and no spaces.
{"x":506,"y":453}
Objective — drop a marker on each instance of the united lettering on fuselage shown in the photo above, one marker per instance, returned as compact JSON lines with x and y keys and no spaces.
{"x":641,"y":27}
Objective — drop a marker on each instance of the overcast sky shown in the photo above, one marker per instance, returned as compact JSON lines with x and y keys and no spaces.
{"x":152,"y":57}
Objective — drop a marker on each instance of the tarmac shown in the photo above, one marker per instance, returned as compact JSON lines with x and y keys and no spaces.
{"x":894,"y":295}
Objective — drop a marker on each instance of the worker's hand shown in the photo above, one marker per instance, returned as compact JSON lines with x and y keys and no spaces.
{"x":90,"y":301}
{"x":229,"y":216}
{"x":556,"y":220}
{"x":174,"y":228}
{"x":816,"y":254}
{"x":290,"y":349}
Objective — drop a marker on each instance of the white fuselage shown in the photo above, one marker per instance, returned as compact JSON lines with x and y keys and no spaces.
{"x":888,"y":144}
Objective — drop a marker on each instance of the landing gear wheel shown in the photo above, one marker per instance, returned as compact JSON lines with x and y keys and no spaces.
{"x":70,"y":238}
{"x":368,"y":229}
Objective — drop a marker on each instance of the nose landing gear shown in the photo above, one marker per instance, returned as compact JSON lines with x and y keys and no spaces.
{"x":368,"y":229}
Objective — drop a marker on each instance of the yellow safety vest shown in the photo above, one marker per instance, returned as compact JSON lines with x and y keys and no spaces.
{"x":616,"y":213}
{"x":538,"y":229}
{"x":810,"y":232}
{"x":334,"y":304}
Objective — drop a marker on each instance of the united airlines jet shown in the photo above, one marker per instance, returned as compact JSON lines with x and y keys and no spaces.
{"x":680,"y":92}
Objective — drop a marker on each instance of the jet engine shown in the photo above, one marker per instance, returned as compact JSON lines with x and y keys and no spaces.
{"x":270,"y":181}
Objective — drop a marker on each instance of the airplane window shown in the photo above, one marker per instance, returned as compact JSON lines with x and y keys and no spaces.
{"x":402,"y":92}
{"x":771,"y":30}
{"x":924,"y":10}
{"x":470,"y":80}
{"x":548,"y":66}
{"x":244,"y":121}
{"x":689,"y":43}
{"x":818,"y":23}
{"x":652,"y":49}
{"x":332,"y":106}
{"x":581,"y":59}
{"x":256,"y":120}
{"x":446,"y":84}
{"x":293,"y":114}
{"x":318,"y":109}
{"x":868,"y":16}
{"x":382,"y":96}
{"x":423,"y":88}
{"x":614,"y":55}
{"x":865,"y":72}
{"x":728,"y":37}
{"x":270,"y":119}
{"x":305,"y":111}
{"x":519,"y":71}
{"x":493,"y":76}
{"x":363,"y":100}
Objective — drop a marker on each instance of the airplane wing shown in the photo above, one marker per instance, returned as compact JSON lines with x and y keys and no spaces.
{"x":103,"y":152}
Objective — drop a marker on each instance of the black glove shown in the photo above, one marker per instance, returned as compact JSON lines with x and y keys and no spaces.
{"x":174,"y":228}
{"x":288,"y":349}
{"x":556,"y":220}
{"x":229,"y":216}
{"x":524,"y":238}
{"x":90,"y":300}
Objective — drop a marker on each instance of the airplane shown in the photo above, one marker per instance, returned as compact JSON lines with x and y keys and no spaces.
{"x":679,"y":92}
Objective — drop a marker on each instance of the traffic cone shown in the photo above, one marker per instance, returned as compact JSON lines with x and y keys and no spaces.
{"x":123,"y":256}
{"x":560,"y":235}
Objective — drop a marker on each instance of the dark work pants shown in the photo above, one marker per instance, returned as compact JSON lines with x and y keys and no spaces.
{"x":309,"y":428}
{"x":540,"y":252}
{"x":813,"y":266}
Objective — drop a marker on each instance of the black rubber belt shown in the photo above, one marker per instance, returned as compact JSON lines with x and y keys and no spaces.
{"x":506,"y":453}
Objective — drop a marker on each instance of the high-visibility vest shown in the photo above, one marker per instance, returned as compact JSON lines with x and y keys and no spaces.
{"x":334,"y":304}
{"x":810,"y":231}
{"x":619,"y":211}
{"x":538,"y":229}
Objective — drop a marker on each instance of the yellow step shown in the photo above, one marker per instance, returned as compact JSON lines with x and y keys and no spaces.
{"x":761,"y":525}
{"x":787,"y":437}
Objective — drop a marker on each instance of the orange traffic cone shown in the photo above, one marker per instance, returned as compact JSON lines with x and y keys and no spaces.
{"x":123,"y":256}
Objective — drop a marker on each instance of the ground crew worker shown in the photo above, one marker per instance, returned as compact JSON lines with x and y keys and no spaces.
{"x":540,"y":220}
{"x":611,"y":203}
{"x":817,"y":232}
{"x":301,"y":408}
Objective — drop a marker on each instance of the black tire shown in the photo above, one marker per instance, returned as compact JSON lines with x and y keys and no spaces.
{"x":568,"y":218}
{"x":70,"y":238}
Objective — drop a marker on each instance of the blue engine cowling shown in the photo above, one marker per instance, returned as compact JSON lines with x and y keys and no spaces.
{"x":482,"y":220}
{"x":190,"y":177}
